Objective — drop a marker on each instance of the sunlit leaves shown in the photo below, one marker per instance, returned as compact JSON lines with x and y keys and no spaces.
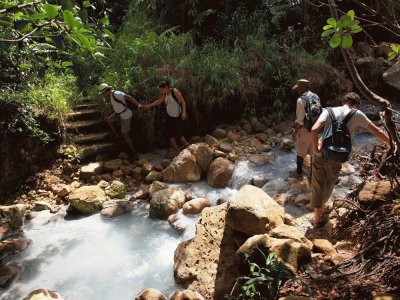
{"x":69,"y":19}
{"x":51,"y":10}
{"x":395,"y":52}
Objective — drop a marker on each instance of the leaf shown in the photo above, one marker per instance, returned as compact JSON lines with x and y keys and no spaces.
{"x":345,"y":20}
{"x":332,"y":22}
{"x":109,"y":34}
{"x":356,"y":29}
{"x":347,"y":41}
{"x":105,"y":21}
{"x":86,"y":4}
{"x":51,"y":10}
{"x":66,"y":64}
{"x":395,"y":47}
{"x":392,"y":55}
{"x":351,"y":14}
{"x":327,"y":32}
{"x":326,"y":27}
{"x":25,"y":66}
{"x":38,"y":16}
{"x":335,"y":40}
{"x":99,"y":55}
{"x":69,"y":19}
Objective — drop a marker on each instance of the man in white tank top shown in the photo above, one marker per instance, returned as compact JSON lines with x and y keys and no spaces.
{"x":176,"y":113}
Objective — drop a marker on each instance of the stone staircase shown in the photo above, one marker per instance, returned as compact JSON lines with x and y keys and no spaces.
{"x":88,"y":132}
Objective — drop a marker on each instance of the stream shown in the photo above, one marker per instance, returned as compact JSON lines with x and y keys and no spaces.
{"x":92,"y":258}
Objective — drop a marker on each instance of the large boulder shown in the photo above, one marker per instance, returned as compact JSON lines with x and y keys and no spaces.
{"x":153,"y":176}
{"x":206,"y":263}
{"x":150,"y":294}
{"x":115,"y":208}
{"x":186,"y":295}
{"x":203,"y":154}
{"x":290,"y":232}
{"x":43,"y":294}
{"x":211,"y":141}
{"x":87,"y":199}
{"x":195,"y":206}
{"x":157,"y":186}
{"x":166,"y":202}
{"x":182,"y":169}
{"x":117,"y":190}
{"x":252,"y":211}
{"x":11,"y":219}
{"x":220,"y":173}
{"x":12,"y":247}
{"x":292,"y":253}
{"x":375,"y":191}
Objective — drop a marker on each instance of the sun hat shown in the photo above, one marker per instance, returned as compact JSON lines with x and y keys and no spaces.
{"x":103,"y":87}
{"x":301,"y":83}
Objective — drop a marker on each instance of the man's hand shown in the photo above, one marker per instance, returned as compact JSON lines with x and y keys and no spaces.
{"x":184,"y":116}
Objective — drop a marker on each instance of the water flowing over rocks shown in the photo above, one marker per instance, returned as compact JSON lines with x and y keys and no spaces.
{"x":87,"y":199}
{"x":166,"y":202}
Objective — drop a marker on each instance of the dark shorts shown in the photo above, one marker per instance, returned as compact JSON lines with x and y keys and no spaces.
{"x":174,"y":127}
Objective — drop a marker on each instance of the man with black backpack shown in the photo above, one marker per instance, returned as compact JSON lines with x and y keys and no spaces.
{"x":122,"y":105}
{"x":176,"y":112}
{"x":339,"y":126}
{"x":308,"y":109}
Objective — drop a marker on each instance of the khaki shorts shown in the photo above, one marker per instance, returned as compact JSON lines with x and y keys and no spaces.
{"x":324,"y":176}
{"x":126,"y":125}
{"x":303,"y":142}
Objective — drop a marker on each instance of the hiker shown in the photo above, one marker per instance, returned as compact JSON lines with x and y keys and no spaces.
{"x":176,"y":112}
{"x":339,"y":125}
{"x":120,"y":103}
{"x":308,"y":109}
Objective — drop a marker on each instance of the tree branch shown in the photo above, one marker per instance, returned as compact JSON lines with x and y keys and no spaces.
{"x":6,"y":10}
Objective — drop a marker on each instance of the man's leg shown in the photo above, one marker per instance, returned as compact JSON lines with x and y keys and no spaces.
{"x":303,"y":140}
{"x":126,"y":130}
{"x":129,"y":141}
{"x":299,"y":162}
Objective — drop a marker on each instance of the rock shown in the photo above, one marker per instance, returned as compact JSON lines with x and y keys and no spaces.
{"x":43,"y":205}
{"x":232,"y":137}
{"x":43,"y":294}
{"x":233,"y":157}
{"x":252,"y":211}
{"x":295,"y":298}
{"x":186,"y":295}
{"x":156,"y":186}
{"x":259,"y":160}
{"x":91,"y":169}
{"x":143,"y":192}
{"x":219,"y":133}
{"x":323,"y":246}
{"x":220,"y":173}
{"x":224,"y":147}
{"x":196,"y":139}
{"x":165,"y":163}
{"x":221,"y":201}
{"x":115,"y":208}
{"x":211,"y":141}
{"x":203,"y":154}
{"x":262,"y":137}
{"x":287,"y":144}
{"x":87,"y":199}
{"x":257,"y":126}
{"x":61,"y":190}
{"x":375,"y":191}
{"x":153,"y":176}
{"x":127,"y":170}
{"x":247,"y":128}
{"x":212,"y":251}
{"x":166,"y":202}
{"x":112,"y":165}
{"x":302,"y":199}
{"x":293,"y":254}
{"x":386,"y":297}
{"x":218,"y":153}
{"x":183,"y":168}
{"x":12,"y":247}
{"x":118,"y":174}
{"x":123,"y":156}
{"x":9,"y":274}
{"x":259,"y":180}
{"x":195,"y":206}
{"x":103,"y":184}
{"x":290,"y":232}
{"x":11,"y":219}
{"x":117,"y":190}
{"x":283,"y":127}
{"x":146,"y":169}
{"x":176,"y":223}
{"x":150,"y":294}
{"x":137,"y":173}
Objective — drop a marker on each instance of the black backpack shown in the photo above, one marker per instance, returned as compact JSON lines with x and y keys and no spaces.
{"x":128,"y":105}
{"x":336,"y":141}
{"x":313,"y":110}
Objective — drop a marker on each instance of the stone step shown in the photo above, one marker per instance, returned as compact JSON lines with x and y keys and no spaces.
{"x":86,"y":126}
{"x":84,"y":106}
{"x":83,"y":114}
{"x":91,"y":150}
{"x":91,"y":137}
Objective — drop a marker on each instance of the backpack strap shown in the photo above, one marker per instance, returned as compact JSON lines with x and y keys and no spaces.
{"x":174,"y":96}
{"x":308,"y":102}
{"x":119,"y":101}
{"x":349,"y":116}
{"x":331,"y":114}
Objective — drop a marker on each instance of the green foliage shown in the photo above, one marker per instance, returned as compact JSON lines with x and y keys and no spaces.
{"x":395,"y":53}
{"x":340,"y":31}
{"x":264,"y":282}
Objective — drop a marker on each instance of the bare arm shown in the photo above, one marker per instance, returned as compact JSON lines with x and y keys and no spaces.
{"x":132,"y":100}
{"x":378,"y":132}
{"x":156,"y":103}
{"x":314,"y":137}
{"x":182,"y":103}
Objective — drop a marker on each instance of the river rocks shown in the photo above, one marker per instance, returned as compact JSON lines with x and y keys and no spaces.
{"x":12,"y":247}
{"x":87,"y":199}
{"x":156,"y":186}
{"x":166,"y":202}
{"x":91,"y":169}
{"x":176,"y":223}
{"x":211,"y":141}
{"x":195,"y":206}
{"x":183,"y":168}
{"x":43,"y":205}
{"x":112,"y":165}
{"x":224,"y":147}
{"x":103,"y":184}
{"x":219,"y":133}
{"x":259,"y":180}
{"x":11,"y":219}
{"x":292,"y":253}
{"x":262,"y":137}
{"x":283,"y":127}
{"x":115,"y":208}
{"x":43,"y":294}
{"x":143,"y":192}
{"x":9,"y":274}
{"x":150,"y":294}
{"x":375,"y":190}
{"x":186,"y":295}
{"x":252,"y":211}
{"x":117,"y":190}
{"x":232,"y":136}
{"x":211,"y":252}
{"x":247,"y":128}
{"x":295,"y":298}
{"x":61,"y":190}
{"x":290,"y":232}
{"x":287,"y":144}
{"x":259,"y":160}
{"x":257,"y":126}
{"x":153,"y":176}
{"x":203,"y":154}
{"x":220,"y":173}
{"x":323,"y":246}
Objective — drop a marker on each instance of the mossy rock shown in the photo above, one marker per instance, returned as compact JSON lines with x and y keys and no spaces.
{"x":117,"y":190}
{"x":87,"y":199}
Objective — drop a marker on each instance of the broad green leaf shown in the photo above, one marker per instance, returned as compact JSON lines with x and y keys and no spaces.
{"x":326,"y":27}
{"x":25,"y":66}
{"x":86,"y":4}
{"x":395,"y":47}
{"x":347,"y":41}
{"x":327,"y":32}
{"x":51,"y":10}
{"x":351,"y":14}
{"x":392,"y":55}
{"x":105,"y":21}
{"x":335,"y":40}
{"x":345,"y":20}
{"x":84,"y":40}
{"x":66,"y":64}
{"x":69,"y":19}
{"x":356,"y":29}
{"x":332,"y":22}
{"x":38,"y":16}
{"x":109,"y":34}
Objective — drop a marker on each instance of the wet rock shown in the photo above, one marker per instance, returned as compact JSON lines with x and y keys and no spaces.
{"x":232,"y":137}
{"x":375,"y":191}
{"x":186,"y":295}
{"x":290,"y":232}
{"x":61,"y":190}
{"x":43,"y":294}
{"x":283,"y":127}
{"x":257,"y":126}
{"x":117,"y":174}
{"x":212,"y":251}
{"x":9,"y":274}
{"x":142,"y":161}
{"x":293,"y":254}
{"x":12,"y":247}
{"x":252,"y":211}
{"x":219,"y":133}
{"x":247,"y":128}
{"x":127,"y":170}
{"x":176,"y":223}
{"x":166,"y":202}
{"x":153,"y":176}
{"x":196,"y":139}
{"x":220,"y":173}
{"x":184,"y":168}
{"x":91,"y":169}
{"x":203,"y":154}
{"x":157,"y":186}
{"x":287,"y":144}
{"x":386,"y":297}
{"x":221,"y":201}
{"x":218,"y":153}
{"x":158,"y":166}
{"x":117,"y":190}
{"x":259,"y":160}
{"x":87,"y":199}
{"x":165,"y":163}
{"x":137,"y":173}
{"x":103,"y":184}
{"x":143,"y":192}
{"x":196,"y":206}
{"x":150,"y":294}
{"x":11,"y":219}
{"x":303,"y":199}
{"x":43,"y":205}
{"x":112,"y":165}
{"x":323,"y":246}
{"x":146,"y":169}
{"x":281,"y":199}
{"x":211,"y":141}
{"x":115,"y":208}
{"x":262,"y":137}
{"x":224,"y":147}
{"x":259,"y":180}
